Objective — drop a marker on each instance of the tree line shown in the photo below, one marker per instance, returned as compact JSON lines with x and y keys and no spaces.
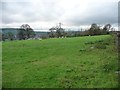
{"x":93,"y":30}
{"x":26,"y":32}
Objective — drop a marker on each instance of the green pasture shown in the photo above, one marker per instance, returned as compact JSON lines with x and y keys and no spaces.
{"x":80,"y":62}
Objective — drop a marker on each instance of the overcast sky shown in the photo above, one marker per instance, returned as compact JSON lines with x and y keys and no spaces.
{"x":47,"y":13}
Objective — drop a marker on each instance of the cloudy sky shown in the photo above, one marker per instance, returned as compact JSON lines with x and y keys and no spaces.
{"x":43,"y":14}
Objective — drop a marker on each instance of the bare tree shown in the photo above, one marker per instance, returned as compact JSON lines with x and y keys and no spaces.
{"x":59,"y":31}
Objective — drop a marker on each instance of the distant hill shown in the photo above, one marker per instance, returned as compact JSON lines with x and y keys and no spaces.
{"x":15,"y":31}
{"x":12,"y":30}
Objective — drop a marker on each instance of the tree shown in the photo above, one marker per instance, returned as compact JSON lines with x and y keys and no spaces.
{"x":25,"y":32}
{"x":94,"y":29}
{"x":3,"y":37}
{"x":10,"y":36}
{"x":106,"y":28}
{"x":52,"y":33}
{"x":59,"y":31}
{"x":22,"y":34}
{"x":30,"y":33}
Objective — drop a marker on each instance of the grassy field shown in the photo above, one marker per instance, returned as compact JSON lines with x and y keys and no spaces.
{"x":81,"y":62}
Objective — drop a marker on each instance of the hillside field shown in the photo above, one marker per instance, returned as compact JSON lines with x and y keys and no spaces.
{"x":80,"y":62}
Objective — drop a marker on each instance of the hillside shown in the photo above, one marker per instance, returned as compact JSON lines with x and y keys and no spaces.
{"x":81,"y":62}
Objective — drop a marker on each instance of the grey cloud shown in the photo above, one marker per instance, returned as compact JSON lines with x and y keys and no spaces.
{"x":102,"y":13}
{"x":45,"y":11}
{"x":50,"y":10}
